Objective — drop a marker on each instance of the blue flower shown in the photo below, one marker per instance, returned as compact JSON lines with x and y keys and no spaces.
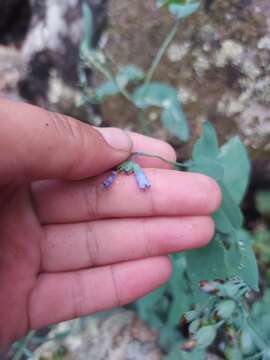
{"x":109,"y":181}
{"x":142,"y":180}
{"x":128,"y":167}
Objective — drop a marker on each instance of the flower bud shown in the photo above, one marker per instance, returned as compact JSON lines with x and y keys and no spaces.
{"x":109,"y":181}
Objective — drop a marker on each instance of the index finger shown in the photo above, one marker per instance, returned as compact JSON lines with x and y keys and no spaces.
{"x":173,"y":193}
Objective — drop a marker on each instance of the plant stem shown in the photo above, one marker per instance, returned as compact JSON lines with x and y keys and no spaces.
{"x":108,"y":75}
{"x":19,"y":353}
{"x":122,"y":90}
{"x":161,"y":52}
{"x":175,"y":164}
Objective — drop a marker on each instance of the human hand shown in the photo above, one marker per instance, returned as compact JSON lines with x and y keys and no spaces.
{"x":69,"y":248}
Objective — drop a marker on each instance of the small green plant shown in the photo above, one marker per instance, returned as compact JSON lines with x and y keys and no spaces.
{"x":210,"y":286}
{"x":145,"y":93}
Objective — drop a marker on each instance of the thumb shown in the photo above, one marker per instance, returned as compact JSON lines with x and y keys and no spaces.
{"x":38,"y":144}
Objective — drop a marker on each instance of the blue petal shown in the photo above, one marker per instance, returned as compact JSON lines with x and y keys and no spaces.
{"x":142,"y":180}
{"x":109,"y":181}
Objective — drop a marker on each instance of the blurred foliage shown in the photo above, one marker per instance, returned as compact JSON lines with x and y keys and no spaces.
{"x":132,"y":82}
{"x":263,"y":202}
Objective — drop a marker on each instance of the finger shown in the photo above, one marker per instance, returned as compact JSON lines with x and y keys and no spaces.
{"x":145,"y":144}
{"x":63,"y":296}
{"x":173,"y":193}
{"x":49,"y":145}
{"x":97,"y":243}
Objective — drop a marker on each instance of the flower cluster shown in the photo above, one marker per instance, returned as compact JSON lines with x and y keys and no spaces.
{"x":128,"y":167}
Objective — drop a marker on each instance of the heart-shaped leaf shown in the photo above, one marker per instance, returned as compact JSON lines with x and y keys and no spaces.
{"x":164,"y":96}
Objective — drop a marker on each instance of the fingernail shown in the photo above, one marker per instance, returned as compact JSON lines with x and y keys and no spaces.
{"x":116,"y":138}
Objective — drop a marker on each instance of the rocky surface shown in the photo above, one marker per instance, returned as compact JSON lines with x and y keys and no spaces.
{"x":121,"y":336}
{"x":40,"y":64}
{"x":219,"y":62}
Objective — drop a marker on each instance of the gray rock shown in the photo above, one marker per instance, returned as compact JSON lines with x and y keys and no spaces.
{"x":120,"y":336}
{"x":42,"y":68}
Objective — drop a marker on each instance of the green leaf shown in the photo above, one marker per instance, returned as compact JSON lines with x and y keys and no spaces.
{"x":230,"y":208}
{"x":178,"y":288}
{"x":168,"y":337}
{"x":222,"y":222}
{"x":131,"y":73}
{"x":228,"y":217}
{"x":246,"y":343}
{"x":95,"y":59}
{"x":183,"y":11}
{"x":207,"y":263}
{"x":177,"y":354}
{"x":206,"y":147}
{"x":207,"y":166}
{"x":180,"y":304}
{"x":128,"y":74}
{"x":164,"y":96}
{"x":234,"y":353}
{"x":87,"y":26}
{"x":241,"y":260}
{"x":236,"y":164}
{"x":155,"y":94}
{"x":205,"y":336}
{"x":160,"y":3}
{"x":174,"y":120}
{"x":106,"y":89}
{"x":150,"y":300}
{"x":263,"y":202}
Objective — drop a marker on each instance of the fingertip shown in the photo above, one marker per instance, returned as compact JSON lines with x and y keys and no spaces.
{"x":211,"y":193}
{"x":138,"y":278}
{"x":117,"y":138}
{"x":142,"y":143}
{"x":167,"y":268}
{"x":208,"y":230}
{"x":168,"y":151}
{"x":215,"y":196}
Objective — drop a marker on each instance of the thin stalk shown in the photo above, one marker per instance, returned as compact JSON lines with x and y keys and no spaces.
{"x":19,"y":353}
{"x":161,"y":52}
{"x":122,"y":90}
{"x":176,"y":164}
{"x":108,"y":75}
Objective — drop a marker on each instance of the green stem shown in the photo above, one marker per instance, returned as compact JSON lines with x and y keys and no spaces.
{"x":122,"y":90}
{"x":176,"y":164}
{"x":161,"y":52}
{"x":19,"y":353}
{"x":108,"y":75}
